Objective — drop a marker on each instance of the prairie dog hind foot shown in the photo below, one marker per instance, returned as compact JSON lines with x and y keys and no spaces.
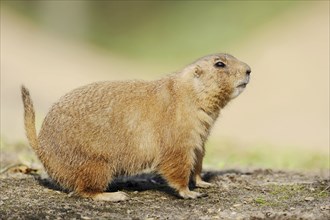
{"x":110,"y":196}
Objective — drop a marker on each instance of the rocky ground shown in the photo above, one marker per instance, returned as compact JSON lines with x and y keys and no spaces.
{"x":255,"y":194}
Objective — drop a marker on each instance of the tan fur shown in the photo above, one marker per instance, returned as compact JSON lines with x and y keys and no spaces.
{"x":102,"y":130}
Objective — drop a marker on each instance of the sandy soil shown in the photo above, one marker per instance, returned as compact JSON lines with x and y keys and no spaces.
{"x":237,"y":194}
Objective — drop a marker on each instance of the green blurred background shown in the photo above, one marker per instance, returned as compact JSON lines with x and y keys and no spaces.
{"x":282,"y":119}
{"x":164,"y":31}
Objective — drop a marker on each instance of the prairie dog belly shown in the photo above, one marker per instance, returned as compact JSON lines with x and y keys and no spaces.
{"x":119,"y":131}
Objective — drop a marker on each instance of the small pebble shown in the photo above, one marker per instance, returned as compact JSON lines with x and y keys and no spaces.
{"x":71,"y":194}
{"x":323,"y":208}
{"x":309,"y":199}
{"x":249,"y":200}
{"x":312,"y":189}
{"x":269,"y":214}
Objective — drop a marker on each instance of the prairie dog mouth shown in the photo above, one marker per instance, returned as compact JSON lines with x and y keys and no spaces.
{"x":242,"y":85}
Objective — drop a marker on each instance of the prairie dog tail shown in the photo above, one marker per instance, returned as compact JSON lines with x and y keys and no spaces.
{"x":29,"y":120}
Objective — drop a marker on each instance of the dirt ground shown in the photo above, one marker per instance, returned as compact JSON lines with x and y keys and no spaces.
{"x":237,"y":194}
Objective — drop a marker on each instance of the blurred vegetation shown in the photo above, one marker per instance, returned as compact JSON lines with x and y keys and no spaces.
{"x":227,"y":153}
{"x":224,"y":154}
{"x":166,"y":31}
{"x":16,"y":153}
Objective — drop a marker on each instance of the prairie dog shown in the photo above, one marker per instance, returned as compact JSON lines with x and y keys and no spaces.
{"x":105,"y":129}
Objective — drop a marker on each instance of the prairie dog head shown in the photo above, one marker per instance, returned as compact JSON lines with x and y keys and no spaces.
{"x":219,"y":72}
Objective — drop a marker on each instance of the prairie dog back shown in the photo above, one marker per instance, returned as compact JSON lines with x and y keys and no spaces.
{"x":105,"y":129}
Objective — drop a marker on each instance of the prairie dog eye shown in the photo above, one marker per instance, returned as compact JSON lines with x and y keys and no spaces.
{"x":219,"y":64}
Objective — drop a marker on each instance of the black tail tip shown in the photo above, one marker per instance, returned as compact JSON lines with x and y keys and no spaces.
{"x":24,"y":90}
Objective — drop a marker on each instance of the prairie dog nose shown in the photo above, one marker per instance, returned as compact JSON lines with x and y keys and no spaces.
{"x":248,"y":71}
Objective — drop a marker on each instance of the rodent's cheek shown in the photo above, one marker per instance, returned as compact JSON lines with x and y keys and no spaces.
{"x":236,"y":92}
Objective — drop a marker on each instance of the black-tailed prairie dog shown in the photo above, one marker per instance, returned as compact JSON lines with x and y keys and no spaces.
{"x":106,"y":129}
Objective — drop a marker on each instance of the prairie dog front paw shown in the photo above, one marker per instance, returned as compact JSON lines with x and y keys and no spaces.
{"x":202,"y":184}
{"x":187,"y":194}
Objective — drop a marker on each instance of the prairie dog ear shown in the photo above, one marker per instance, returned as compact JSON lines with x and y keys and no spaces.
{"x":198,"y":71}
{"x":192,"y":71}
